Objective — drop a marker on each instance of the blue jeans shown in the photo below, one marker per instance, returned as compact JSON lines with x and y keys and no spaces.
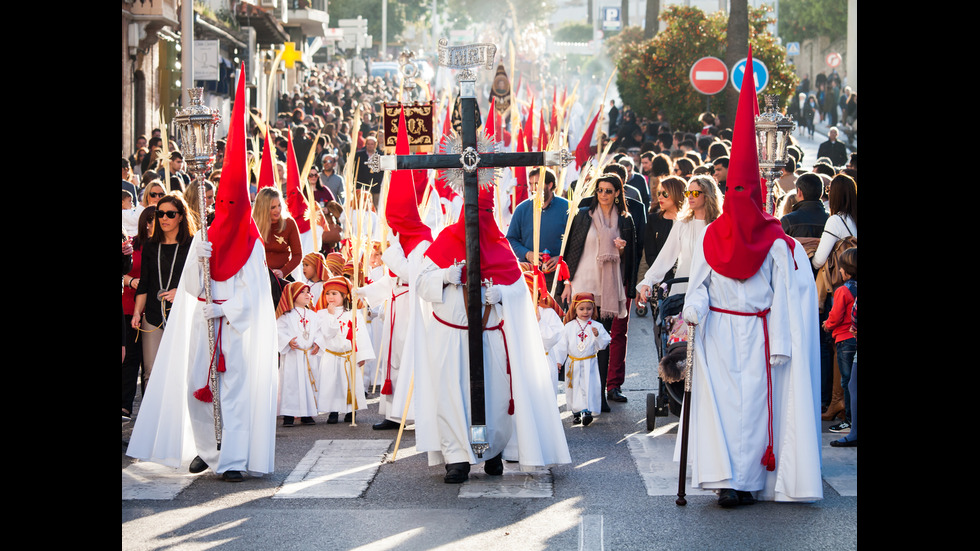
{"x":846,"y":351}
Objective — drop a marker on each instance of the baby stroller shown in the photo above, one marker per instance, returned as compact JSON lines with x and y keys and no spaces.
{"x":671,"y":340}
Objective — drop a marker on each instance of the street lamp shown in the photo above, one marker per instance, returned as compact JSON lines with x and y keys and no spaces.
{"x":195,"y":127}
{"x":772,"y":130}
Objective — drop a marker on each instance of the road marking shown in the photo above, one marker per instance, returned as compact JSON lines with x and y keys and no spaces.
{"x":839,"y":466}
{"x":335,"y":469}
{"x":513,"y":483}
{"x":653,"y":454}
{"x":590,"y":536}
{"x":148,"y":480}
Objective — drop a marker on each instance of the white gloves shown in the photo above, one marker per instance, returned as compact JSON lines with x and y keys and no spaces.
{"x":777,"y":360}
{"x":203,"y":249}
{"x":690,"y":315}
{"x":211,"y":311}
{"x":453,"y":274}
{"x":492,"y":295}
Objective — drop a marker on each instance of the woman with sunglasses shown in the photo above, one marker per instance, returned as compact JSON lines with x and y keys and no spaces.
{"x":153,"y":192}
{"x":601,"y":258}
{"x":700,"y":209}
{"x":162,"y":261}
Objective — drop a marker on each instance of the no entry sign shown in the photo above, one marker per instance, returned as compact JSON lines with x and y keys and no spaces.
{"x":709,"y":75}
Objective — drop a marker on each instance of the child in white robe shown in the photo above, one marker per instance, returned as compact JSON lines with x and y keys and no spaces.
{"x":315,"y":271}
{"x":341,"y":383}
{"x":298,"y":361}
{"x":583,"y":337}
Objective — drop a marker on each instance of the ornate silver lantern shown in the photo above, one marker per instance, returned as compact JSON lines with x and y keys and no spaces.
{"x":772,"y":130}
{"x":194,"y":127}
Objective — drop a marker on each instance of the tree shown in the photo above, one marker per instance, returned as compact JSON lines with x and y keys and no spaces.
{"x":654,"y":75}
{"x":652,"y":19}
{"x":803,"y":19}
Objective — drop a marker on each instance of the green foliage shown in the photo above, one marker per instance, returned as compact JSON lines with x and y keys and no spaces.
{"x":654,"y":75}
{"x":614,"y":44}
{"x":572,"y":31}
{"x":803,"y":19}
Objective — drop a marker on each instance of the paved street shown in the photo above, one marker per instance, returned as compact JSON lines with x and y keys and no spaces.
{"x":335,"y":487}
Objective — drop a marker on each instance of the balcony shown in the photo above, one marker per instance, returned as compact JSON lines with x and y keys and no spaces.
{"x":309,"y":15}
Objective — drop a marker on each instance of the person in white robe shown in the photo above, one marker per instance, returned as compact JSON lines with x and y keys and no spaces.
{"x":299,"y":363}
{"x":177,"y":417}
{"x":754,"y":405}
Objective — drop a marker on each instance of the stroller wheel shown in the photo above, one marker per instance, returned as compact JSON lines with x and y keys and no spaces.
{"x":641,"y":309}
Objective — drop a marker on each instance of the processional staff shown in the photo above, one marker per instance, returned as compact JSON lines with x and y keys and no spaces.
{"x":468,"y":162}
{"x":195,"y":127}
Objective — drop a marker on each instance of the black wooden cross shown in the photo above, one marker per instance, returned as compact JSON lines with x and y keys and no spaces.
{"x":470,"y":161}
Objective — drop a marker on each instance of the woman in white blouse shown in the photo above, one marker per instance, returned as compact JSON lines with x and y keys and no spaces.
{"x":701,"y":208}
{"x":843,"y":217}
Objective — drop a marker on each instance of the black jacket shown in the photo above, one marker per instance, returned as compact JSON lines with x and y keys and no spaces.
{"x":576,"y":244}
{"x":807,"y":219}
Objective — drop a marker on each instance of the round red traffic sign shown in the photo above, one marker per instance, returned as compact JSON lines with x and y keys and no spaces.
{"x":709,"y":75}
{"x":833,"y":59}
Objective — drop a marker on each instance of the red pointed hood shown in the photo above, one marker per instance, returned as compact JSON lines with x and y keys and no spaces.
{"x":267,"y":172}
{"x":497,"y":259}
{"x":233,"y":232}
{"x":736,"y":244}
{"x":294,"y":190}
{"x":401,"y":208}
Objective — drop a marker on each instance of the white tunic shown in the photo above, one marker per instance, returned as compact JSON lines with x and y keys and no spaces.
{"x":583,"y":387}
{"x":442,"y":384}
{"x":173,"y":426}
{"x":298,"y":368}
{"x":729,"y":417}
{"x":339,"y":369}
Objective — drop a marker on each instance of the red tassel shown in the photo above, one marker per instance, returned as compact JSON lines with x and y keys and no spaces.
{"x":769,"y":459}
{"x":510,"y":408}
{"x":221,"y":362}
{"x":386,"y":388}
{"x":204,"y":394}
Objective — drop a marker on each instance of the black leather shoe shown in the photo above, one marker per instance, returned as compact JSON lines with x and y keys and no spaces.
{"x":744,"y":498}
{"x":307,"y":420}
{"x":287,"y":421}
{"x":616,"y":395}
{"x":348,"y":417}
{"x":495,"y":465}
{"x":387,"y":424}
{"x":332,"y":418}
{"x":576,"y":418}
{"x":233,"y":476}
{"x":457,"y":473}
{"x":586,"y":418}
{"x":198,"y":465}
{"x":728,"y":498}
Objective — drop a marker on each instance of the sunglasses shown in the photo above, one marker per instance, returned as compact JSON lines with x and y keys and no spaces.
{"x":156,"y":194}
{"x":663,"y":194}
{"x":694,"y":194}
{"x":168,"y":213}
{"x":605,"y":191}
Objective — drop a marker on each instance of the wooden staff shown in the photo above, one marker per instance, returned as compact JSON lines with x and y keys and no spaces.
{"x":401,"y":423}
{"x":686,"y":429}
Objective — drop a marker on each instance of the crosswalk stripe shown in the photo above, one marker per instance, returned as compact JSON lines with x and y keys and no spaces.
{"x":147,"y":480}
{"x":513,"y":484}
{"x":590,"y":533}
{"x":653,"y":454}
{"x":335,"y":469}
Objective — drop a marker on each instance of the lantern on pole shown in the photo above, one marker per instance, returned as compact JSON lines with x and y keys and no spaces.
{"x":772,"y":130}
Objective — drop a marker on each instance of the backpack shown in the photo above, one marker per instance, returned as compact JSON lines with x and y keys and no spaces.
{"x":832,"y":272}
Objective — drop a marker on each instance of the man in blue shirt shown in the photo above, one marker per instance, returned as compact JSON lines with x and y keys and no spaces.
{"x":554,"y":217}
